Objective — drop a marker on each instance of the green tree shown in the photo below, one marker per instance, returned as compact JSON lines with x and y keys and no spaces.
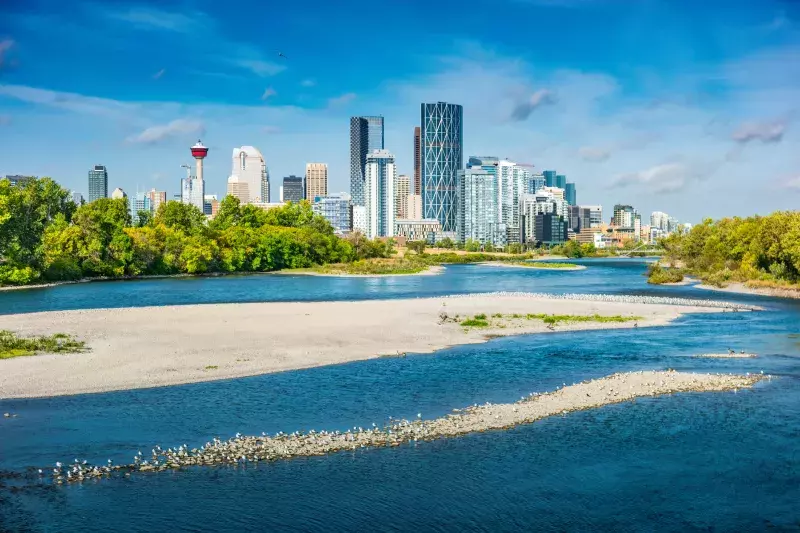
{"x":446,"y":243}
{"x":184,"y":217}
{"x":143,"y":218}
{"x":417,"y":247}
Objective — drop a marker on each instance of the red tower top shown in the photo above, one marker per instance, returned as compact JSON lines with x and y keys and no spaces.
{"x":199,"y":151}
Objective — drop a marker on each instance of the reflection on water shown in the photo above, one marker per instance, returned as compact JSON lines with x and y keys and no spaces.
{"x":683,"y":463}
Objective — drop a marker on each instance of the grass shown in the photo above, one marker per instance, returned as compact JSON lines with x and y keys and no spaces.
{"x":543,"y":264}
{"x":211,"y":367}
{"x":11,"y":345}
{"x":480,"y":321}
{"x":366,"y":267}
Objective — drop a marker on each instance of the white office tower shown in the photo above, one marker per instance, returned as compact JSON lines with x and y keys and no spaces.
{"x":380,"y":179}
{"x":250,"y":167}
{"x":479,"y":208}
{"x":238,"y":188}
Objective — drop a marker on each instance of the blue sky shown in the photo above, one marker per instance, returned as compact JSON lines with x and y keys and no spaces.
{"x":685,"y":107}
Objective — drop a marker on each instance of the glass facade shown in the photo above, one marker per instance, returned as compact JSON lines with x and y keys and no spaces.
{"x":570,"y":194}
{"x":441,"y":138}
{"x":359,"y":142}
{"x":479,"y":206}
{"x":549,"y":178}
{"x":375,"y":136}
{"x":293,"y":189}
{"x":561,"y":181}
{"x":336,"y":209}
{"x":98,"y":183}
{"x":380,"y":181}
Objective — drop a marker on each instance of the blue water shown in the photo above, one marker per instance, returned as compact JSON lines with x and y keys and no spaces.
{"x":691,"y":462}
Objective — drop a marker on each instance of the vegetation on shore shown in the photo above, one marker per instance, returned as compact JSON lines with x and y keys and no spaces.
{"x":544,"y":264}
{"x":658,"y":275}
{"x":11,"y":345}
{"x":500,"y":320}
{"x":46,"y":237}
{"x":762,"y":251}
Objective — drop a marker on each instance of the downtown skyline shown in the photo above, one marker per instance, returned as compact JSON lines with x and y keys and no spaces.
{"x":685,"y":127}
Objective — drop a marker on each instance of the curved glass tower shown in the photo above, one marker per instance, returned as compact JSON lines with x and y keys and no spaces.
{"x":441,"y":157}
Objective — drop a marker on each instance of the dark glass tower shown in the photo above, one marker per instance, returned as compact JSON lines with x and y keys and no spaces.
{"x":98,"y":183}
{"x":366,"y":135}
{"x":441,"y":139}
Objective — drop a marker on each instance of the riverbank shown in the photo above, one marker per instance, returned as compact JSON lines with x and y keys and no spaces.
{"x":241,"y":450}
{"x":158,"y":346}
{"x":743,"y":288}
{"x":535,"y":264}
{"x":429,"y":271}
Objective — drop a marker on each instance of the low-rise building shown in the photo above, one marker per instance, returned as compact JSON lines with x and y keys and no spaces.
{"x":427,"y":229}
{"x":336,"y":209}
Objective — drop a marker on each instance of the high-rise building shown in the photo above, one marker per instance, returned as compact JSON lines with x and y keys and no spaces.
{"x":210,"y":205}
{"x":549,"y":178}
{"x":98,"y":183}
{"x":359,"y":142}
{"x":561,"y":181}
{"x":441,"y":138}
{"x":624,"y":216}
{"x":479,"y":210}
{"x":336,"y":209}
{"x":401,"y":193}
{"x":360,"y":219}
{"x":366,"y":135}
{"x":141,"y":202}
{"x":238,"y":188}
{"x":550,"y":229}
{"x":595,"y":215}
{"x":379,"y":194}
{"x":542,"y":203}
{"x":535,"y":183}
{"x":118,"y":194}
{"x":375,"y":135}
{"x":580,"y":217}
{"x":663,"y":222}
{"x":512,"y":181}
{"x":417,"y":155}
{"x":571,"y":194}
{"x":415,"y":207}
{"x":316,"y":180}
{"x":77,"y":198}
{"x":156,"y":199}
{"x":249,"y":166}
{"x":294,"y":190}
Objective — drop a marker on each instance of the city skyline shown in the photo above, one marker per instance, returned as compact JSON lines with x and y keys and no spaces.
{"x":681,"y":127}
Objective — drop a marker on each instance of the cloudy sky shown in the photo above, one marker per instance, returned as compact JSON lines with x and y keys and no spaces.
{"x":681,"y":106}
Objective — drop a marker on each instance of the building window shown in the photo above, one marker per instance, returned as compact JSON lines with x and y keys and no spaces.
{"x":242,"y":159}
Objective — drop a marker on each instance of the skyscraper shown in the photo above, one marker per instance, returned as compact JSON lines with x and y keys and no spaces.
{"x":441,"y":138}
{"x":294,"y":189}
{"x":249,"y":165}
{"x":366,"y":135}
{"x":316,"y":180}
{"x":98,"y":183}
{"x":401,"y":192}
{"x":359,"y":141}
{"x":336,"y":209}
{"x":77,"y":198}
{"x":417,"y":183}
{"x":379,"y":194}
{"x":570,"y":194}
{"x":479,"y":207}
{"x":238,"y":188}
{"x":549,"y":178}
{"x":156,"y":199}
{"x":141,"y":202}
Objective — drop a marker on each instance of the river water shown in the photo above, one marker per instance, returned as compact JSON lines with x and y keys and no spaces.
{"x":690,"y":462}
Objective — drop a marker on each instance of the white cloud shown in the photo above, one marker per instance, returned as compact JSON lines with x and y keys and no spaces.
{"x":149,"y":18}
{"x":341,"y":100}
{"x":68,"y":101}
{"x":766,"y":132}
{"x":666,"y":178}
{"x":522,"y":110}
{"x":270,"y":129}
{"x":308,"y":83}
{"x":793,"y":183}
{"x":594,"y":153}
{"x":177,"y":128}
{"x":260,"y":67}
{"x":158,"y":74}
{"x":268,"y":93}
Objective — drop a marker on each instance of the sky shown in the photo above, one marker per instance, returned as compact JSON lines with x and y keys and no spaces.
{"x":668,"y":105}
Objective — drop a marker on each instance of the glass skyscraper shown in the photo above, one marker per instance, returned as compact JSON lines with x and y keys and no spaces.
{"x":294,"y":189}
{"x":549,"y":178}
{"x":441,"y":137}
{"x":570,"y":194}
{"x":366,"y":135}
{"x":561,"y":181}
{"x":98,"y":183}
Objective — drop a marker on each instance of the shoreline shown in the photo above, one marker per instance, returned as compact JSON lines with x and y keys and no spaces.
{"x":532,"y":266}
{"x":103,"y":279}
{"x":432,"y":270}
{"x":591,"y":394}
{"x":742,"y":288}
{"x":144,"y":347}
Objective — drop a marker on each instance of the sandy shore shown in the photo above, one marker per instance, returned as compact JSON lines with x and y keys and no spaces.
{"x":157,"y":346}
{"x":430,"y":271}
{"x":741,"y":288}
{"x":242,"y":450}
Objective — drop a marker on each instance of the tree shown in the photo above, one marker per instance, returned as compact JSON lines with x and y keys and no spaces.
{"x":184,"y":217}
{"x":228,"y":214}
{"x":446,"y":243}
{"x":143,"y":218}
{"x":417,"y":247}
{"x":472,"y":245}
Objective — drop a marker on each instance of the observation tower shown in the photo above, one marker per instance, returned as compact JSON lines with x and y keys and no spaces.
{"x":199,"y":152}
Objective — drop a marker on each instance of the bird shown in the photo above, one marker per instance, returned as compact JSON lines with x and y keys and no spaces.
{"x":281,"y":54}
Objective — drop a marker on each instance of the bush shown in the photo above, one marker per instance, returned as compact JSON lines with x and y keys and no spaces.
{"x":658,"y":275}
{"x":10,"y":275}
{"x":63,"y":269}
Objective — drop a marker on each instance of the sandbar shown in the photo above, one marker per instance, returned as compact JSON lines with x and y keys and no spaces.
{"x":734,"y":355}
{"x":242,"y":450}
{"x":430,"y":271}
{"x":158,"y":346}
{"x":533,"y":265}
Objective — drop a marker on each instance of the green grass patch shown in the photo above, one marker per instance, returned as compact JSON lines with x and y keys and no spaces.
{"x":211,"y":367}
{"x":543,"y":264}
{"x":12,"y":345}
{"x":368,"y":267}
{"x":478,"y":321}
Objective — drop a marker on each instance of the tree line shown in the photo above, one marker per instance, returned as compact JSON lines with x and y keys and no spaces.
{"x":45,"y":236}
{"x":758,"y":248}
